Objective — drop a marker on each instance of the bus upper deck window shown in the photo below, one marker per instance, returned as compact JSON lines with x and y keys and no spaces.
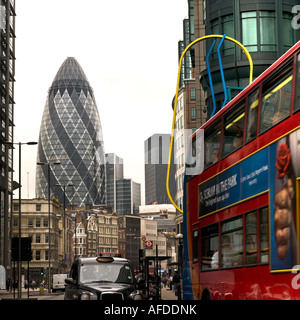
{"x":233,"y":130}
{"x":212,"y":145}
{"x":276,"y":98}
{"x":297,"y":91}
{"x":252,"y":115}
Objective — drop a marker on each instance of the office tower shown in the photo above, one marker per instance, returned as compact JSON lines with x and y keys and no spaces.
{"x":7,"y":73}
{"x":128,"y":196}
{"x":156,"y":150}
{"x":114,"y":172}
{"x":264,"y":28}
{"x":71,"y":134}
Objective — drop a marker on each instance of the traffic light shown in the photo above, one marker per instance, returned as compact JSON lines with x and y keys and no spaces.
{"x":42,"y":271}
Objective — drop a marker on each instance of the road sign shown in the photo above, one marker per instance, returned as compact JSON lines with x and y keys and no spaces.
{"x":26,"y":254}
{"x":148,"y":244}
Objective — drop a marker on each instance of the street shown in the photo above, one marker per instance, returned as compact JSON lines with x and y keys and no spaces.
{"x":166,"y":294}
{"x":33,"y":294}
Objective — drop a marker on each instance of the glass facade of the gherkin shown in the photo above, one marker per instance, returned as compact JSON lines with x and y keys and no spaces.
{"x":71,"y":133}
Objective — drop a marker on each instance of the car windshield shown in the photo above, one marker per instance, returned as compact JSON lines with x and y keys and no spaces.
{"x":106,"y":272}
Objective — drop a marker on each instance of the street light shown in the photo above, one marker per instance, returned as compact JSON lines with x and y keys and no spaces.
{"x":179,"y":237}
{"x":64,"y":190}
{"x":55,"y":162}
{"x":7,"y":143}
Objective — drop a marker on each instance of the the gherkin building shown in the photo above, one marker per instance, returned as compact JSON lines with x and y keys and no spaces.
{"x":71,"y":134}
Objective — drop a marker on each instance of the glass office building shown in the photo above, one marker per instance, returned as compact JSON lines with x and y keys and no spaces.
{"x":7,"y":74}
{"x":71,"y":134}
{"x":263,"y":27}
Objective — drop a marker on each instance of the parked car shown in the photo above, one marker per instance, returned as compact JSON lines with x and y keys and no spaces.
{"x":102,"y":278}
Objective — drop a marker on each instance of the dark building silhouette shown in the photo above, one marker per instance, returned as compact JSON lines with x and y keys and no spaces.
{"x":156,"y":150}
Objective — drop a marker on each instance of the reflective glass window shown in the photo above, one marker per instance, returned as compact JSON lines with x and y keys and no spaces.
{"x":252,"y":115}
{"x":264,"y":235}
{"x":249,"y":31}
{"x":210,"y":248}
{"x":297,"y":89}
{"x":212,"y":145}
{"x":232,"y":243}
{"x":251,"y":238}
{"x":233,"y":130}
{"x":276,"y":98}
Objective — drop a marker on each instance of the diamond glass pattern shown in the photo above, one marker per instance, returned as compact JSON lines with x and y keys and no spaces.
{"x":71,"y":133}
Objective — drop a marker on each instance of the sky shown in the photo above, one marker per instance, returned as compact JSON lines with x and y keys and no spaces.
{"x":129,"y":53}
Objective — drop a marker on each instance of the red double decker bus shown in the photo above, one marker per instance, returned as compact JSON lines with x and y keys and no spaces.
{"x":241,"y":213}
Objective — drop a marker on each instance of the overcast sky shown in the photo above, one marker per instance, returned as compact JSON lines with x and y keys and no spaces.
{"x":128,"y":51}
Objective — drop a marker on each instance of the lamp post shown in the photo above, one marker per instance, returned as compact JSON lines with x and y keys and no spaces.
{"x":49,"y":217}
{"x":20,"y":230}
{"x":64,"y":223}
{"x":179,"y":237}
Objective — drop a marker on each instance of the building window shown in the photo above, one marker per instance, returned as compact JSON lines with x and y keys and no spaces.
{"x":228,"y":29}
{"x":193,"y":113}
{"x":16,"y":207}
{"x":249,"y":30}
{"x":38,"y":207}
{"x":267,"y":30}
{"x":46,"y":224}
{"x":37,"y":238}
{"x":193,"y":94}
{"x":38,"y":223}
{"x":288,"y":32}
{"x":38,"y":255}
{"x":258,"y":30}
{"x":30,"y":223}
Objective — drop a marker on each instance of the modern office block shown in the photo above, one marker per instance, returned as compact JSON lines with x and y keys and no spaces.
{"x":71,"y":134}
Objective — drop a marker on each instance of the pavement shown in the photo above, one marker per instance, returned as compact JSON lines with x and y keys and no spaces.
{"x":4,"y":294}
{"x":167,"y":294}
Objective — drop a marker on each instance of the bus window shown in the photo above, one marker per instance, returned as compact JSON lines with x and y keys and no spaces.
{"x":232,"y":243}
{"x":210,"y":247}
{"x":297,"y":91}
{"x":252,"y":115}
{"x":251,"y":238}
{"x":233,"y":130}
{"x":212,"y":145}
{"x":276,"y":99}
{"x":195,"y":245}
{"x":264,"y":235}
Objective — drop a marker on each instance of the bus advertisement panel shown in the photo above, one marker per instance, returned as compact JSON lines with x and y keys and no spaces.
{"x":276,"y":169}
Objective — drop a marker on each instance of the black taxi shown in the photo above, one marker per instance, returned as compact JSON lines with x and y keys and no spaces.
{"x":101,"y":278}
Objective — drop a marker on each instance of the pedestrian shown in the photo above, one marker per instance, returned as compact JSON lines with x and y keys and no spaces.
{"x":33,"y":284}
{"x":8,"y":284}
{"x":171,"y":282}
{"x":176,"y":281}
